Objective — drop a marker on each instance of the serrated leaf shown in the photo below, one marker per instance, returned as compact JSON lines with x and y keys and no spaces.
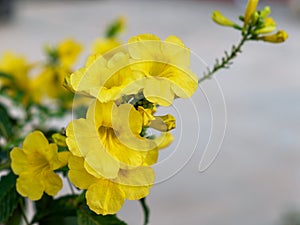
{"x":87,"y":217}
{"x":9,"y":198}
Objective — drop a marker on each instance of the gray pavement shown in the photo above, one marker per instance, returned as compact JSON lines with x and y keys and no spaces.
{"x":256,"y":177}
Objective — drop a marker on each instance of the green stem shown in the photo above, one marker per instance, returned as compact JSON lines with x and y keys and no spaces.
{"x":226,"y":61}
{"x":146,"y":210}
{"x":23,"y":212}
{"x":71,"y":186}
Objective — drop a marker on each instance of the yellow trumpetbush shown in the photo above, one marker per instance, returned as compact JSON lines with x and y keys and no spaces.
{"x":164,"y":66}
{"x":18,"y":67}
{"x":106,"y":196}
{"x":108,"y":139}
{"x":68,"y":51}
{"x":105,"y":79}
{"x":250,"y":9}
{"x":220,"y":19}
{"x":35,"y":163}
{"x":279,"y":37}
{"x":49,"y":84}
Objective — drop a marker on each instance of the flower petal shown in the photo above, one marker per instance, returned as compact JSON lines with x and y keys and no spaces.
{"x":30,"y":186}
{"x":78,"y":174}
{"x":19,"y":161}
{"x":105,"y":197}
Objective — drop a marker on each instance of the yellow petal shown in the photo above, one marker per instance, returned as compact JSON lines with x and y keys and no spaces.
{"x":158,"y":91}
{"x":78,"y":174}
{"x":19,"y":161}
{"x":105,"y":197}
{"x":136,"y":182}
{"x":163,"y":123}
{"x":30,"y":186}
{"x":51,"y":182}
{"x":164,"y":140}
{"x":35,"y":142}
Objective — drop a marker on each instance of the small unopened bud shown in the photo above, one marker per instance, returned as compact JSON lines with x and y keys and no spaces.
{"x":59,"y":139}
{"x":163,"y":123}
{"x":220,"y":19}
{"x":279,"y":37}
{"x":250,"y":9}
{"x":265,"y":12}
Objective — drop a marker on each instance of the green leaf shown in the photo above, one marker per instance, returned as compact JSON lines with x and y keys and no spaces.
{"x":114,"y":28}
{"x":6,"y":76}
{"x":59,"y":211}
{"x":9,"y":198}
{"x":6,"y":123}
{"x":87,"y":217}
{"x":15,"y":218}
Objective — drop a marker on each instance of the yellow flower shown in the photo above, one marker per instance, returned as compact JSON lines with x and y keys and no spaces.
{"x":164,"y":66}
{"x":220,"y":19}
{"x":109,"y":139}
{"x":269,"y":26}
{"x":106,"y":196}
{"x":16,"y":66}
{"x":249,"y":11}
{"x":35,"y":163}
{"x":104,"y":45}
{"x":68,"y":51}
{"x":279,"y":37}
{"x":105,"y":79}
{"x":49,"y":84}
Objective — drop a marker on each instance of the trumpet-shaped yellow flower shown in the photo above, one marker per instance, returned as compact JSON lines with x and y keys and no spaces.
{"x":249,"y":11}
{"x":105,"y":79}
{"x":164,"y":66}
{"x":106,"y":196}
{"x":49,"y":84}
{"x":109,"y":139}
{"x":35,"y":163}
{"x":279,"y":37}
{"x":68,"y":52}
{"x":220,"y":19}
{"x":16,"y":66}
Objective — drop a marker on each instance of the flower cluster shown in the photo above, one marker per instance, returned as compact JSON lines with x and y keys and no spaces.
{"x":257,"y":25}
{"x":107,"y":151}
{"x":110,"y":145}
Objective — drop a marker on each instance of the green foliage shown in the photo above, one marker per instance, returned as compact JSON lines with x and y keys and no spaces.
{"x":114,"y":28}
{"x":6,"y":76}
{"x":60,"y":211}
{"x":6,"y":123}
{"x":9,"y":198}
{"x":87,"y":217}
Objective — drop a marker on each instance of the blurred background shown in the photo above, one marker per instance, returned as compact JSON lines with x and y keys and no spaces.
{"x":256,"y":177}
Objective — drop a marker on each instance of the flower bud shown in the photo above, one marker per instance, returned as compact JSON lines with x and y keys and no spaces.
{"x":220,"y":19}
{"x":265,"y":12}
{"x":163,"y":123}
{"x":250,"y":9}
{"x":279,"y":37}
